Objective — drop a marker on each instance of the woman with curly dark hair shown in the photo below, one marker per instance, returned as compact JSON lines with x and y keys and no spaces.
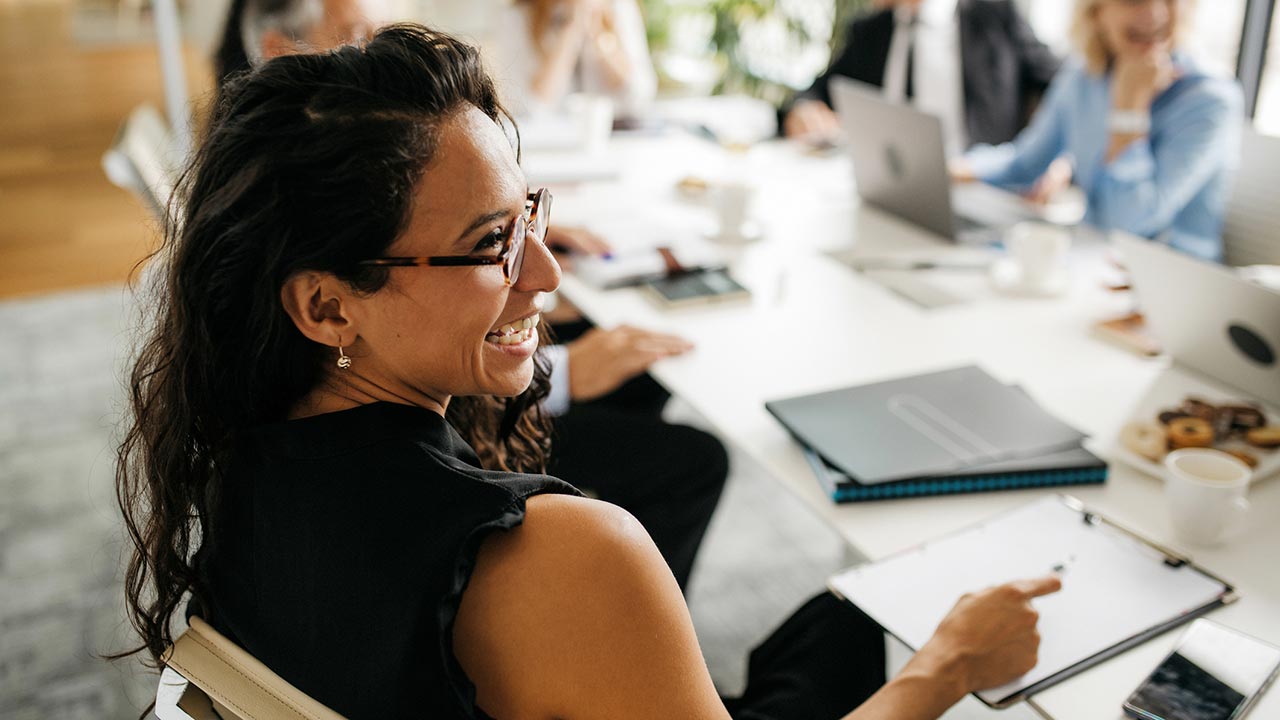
{"x":316,"y":458}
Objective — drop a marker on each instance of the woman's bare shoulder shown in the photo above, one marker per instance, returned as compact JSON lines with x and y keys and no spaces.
{"x":576,"y":611}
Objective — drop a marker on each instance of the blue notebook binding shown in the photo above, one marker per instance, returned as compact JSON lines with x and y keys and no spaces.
{"x":1072,"y":467}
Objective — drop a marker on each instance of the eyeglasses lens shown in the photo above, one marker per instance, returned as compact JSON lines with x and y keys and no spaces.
{"x":515,"y":260}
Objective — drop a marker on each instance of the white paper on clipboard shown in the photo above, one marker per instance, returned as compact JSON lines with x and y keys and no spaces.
{"x":1116,"y":588}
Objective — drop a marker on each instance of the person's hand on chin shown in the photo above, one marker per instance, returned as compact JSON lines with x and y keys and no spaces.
{"x":1140,"y":76}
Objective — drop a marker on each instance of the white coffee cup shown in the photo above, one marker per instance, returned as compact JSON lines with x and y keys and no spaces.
{"x":594,"y":116}
{"x":1039,"y":249}
{"x":733,"y":201}
{"x":1205,"y":490}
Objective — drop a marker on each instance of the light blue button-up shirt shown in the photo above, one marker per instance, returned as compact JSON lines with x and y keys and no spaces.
{"x":1172,"y":184}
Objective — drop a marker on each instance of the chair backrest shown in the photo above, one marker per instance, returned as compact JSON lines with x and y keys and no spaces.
{"x":1251,"y":231}
{"x":145,"y":159}
{"x":208,"y":677}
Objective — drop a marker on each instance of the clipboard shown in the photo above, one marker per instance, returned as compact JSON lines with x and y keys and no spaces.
{"x":1119,"y":588}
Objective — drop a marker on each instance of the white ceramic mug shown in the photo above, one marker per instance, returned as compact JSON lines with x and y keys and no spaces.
{"x":1039,"y":249}
{"x":1205,"y":490}
{"x":733,"y":201}
{"x":594,"y":116}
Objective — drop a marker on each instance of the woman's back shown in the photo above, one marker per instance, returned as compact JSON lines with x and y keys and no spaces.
{"x":343,"y":543}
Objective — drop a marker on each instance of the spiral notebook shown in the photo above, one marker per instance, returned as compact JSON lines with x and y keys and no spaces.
{"x":1118,"y":589}
{"x":1075,"y":466}
{"x":952,"y":431}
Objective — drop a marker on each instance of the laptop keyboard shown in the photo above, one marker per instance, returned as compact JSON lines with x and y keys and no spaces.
{"x":964,"y":224}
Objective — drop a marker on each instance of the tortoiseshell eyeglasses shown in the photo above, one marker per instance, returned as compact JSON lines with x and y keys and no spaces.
{"x":511,"y":257}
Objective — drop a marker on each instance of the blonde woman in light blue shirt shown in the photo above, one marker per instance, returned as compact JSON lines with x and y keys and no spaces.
{"x":1149,"y":137}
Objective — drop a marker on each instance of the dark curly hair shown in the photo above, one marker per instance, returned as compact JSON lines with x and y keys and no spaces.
{"x":310,"y":163}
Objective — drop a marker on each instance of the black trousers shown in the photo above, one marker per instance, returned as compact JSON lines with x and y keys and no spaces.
{"x":619,"y":449}
{"x":824,"y":661}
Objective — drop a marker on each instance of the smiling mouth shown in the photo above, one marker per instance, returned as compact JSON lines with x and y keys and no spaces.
{"x":1148,"y":37}
{"x":514,"y":333}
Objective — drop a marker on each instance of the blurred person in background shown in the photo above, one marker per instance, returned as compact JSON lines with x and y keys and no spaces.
{"x":1150,"y":138}
{"x":259,"y":30}
{"x":976,"y":64}
{"x":609,"y":436}
{"x":541,"y":51}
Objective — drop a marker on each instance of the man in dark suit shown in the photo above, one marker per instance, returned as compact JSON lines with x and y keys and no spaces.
{"x":975,"y":63}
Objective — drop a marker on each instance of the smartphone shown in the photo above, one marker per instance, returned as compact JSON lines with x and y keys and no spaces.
{"x":1214,"y":673}
{"x":699,"y":286}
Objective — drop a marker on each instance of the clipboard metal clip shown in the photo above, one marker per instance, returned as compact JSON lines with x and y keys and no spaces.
{"x":1171,"y":558}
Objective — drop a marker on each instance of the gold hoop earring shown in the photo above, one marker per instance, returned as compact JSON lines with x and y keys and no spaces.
{"x":344,"y":361}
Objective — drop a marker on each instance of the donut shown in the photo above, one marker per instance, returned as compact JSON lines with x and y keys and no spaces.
{"x":1149,"y":440}
{"x":1190,"y":432}
{"x":1244,"y":457}
{"x":1224,"y":422}
{"x":1264,"y":437}
{"x":1246,"y":417}
{"x":1195,"y":407}
{"x":1169,"y":416}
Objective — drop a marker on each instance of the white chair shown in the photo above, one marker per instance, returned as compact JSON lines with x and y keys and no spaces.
{"x":144,"y":159}
{"x":1251,"y":230}
{"x":208,"y":677}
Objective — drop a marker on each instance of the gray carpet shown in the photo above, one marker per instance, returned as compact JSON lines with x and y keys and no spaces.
{"x":60,"y":539}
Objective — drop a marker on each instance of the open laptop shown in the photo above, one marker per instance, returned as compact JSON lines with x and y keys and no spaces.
{"x":900,"y":165}
{"x":1207,"y":317}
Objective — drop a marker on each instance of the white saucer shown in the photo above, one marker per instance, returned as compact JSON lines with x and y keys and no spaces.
{"x":1006,"y":276}
{"x":749,"y":232}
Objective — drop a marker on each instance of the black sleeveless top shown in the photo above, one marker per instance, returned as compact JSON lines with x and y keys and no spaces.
{"x":340,"y":549}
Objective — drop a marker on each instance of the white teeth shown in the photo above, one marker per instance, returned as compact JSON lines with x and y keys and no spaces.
{"x":514,"y":338}
{"x":516,"y":327}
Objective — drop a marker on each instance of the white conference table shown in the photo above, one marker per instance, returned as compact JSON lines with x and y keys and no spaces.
{"x":814,"y":324}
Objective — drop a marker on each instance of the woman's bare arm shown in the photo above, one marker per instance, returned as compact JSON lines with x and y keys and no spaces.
{"x":575,"y":614}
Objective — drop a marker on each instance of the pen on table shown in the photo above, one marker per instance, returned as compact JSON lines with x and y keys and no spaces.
{"x":912,"y":265}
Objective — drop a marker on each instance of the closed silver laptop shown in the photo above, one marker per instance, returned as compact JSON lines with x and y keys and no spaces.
{"x":900,"y":166}
{"x":1207,"y":317}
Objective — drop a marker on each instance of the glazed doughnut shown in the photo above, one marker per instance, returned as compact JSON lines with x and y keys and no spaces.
{"x":1244,"y":457}
{"x":1146,"y":439}
{"x":1190,"y":432}
{"x":1264,"y":437}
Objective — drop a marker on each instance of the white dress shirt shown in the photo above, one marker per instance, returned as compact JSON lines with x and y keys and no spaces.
{"x":937,"y":76}
{"x":558,"y":399}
